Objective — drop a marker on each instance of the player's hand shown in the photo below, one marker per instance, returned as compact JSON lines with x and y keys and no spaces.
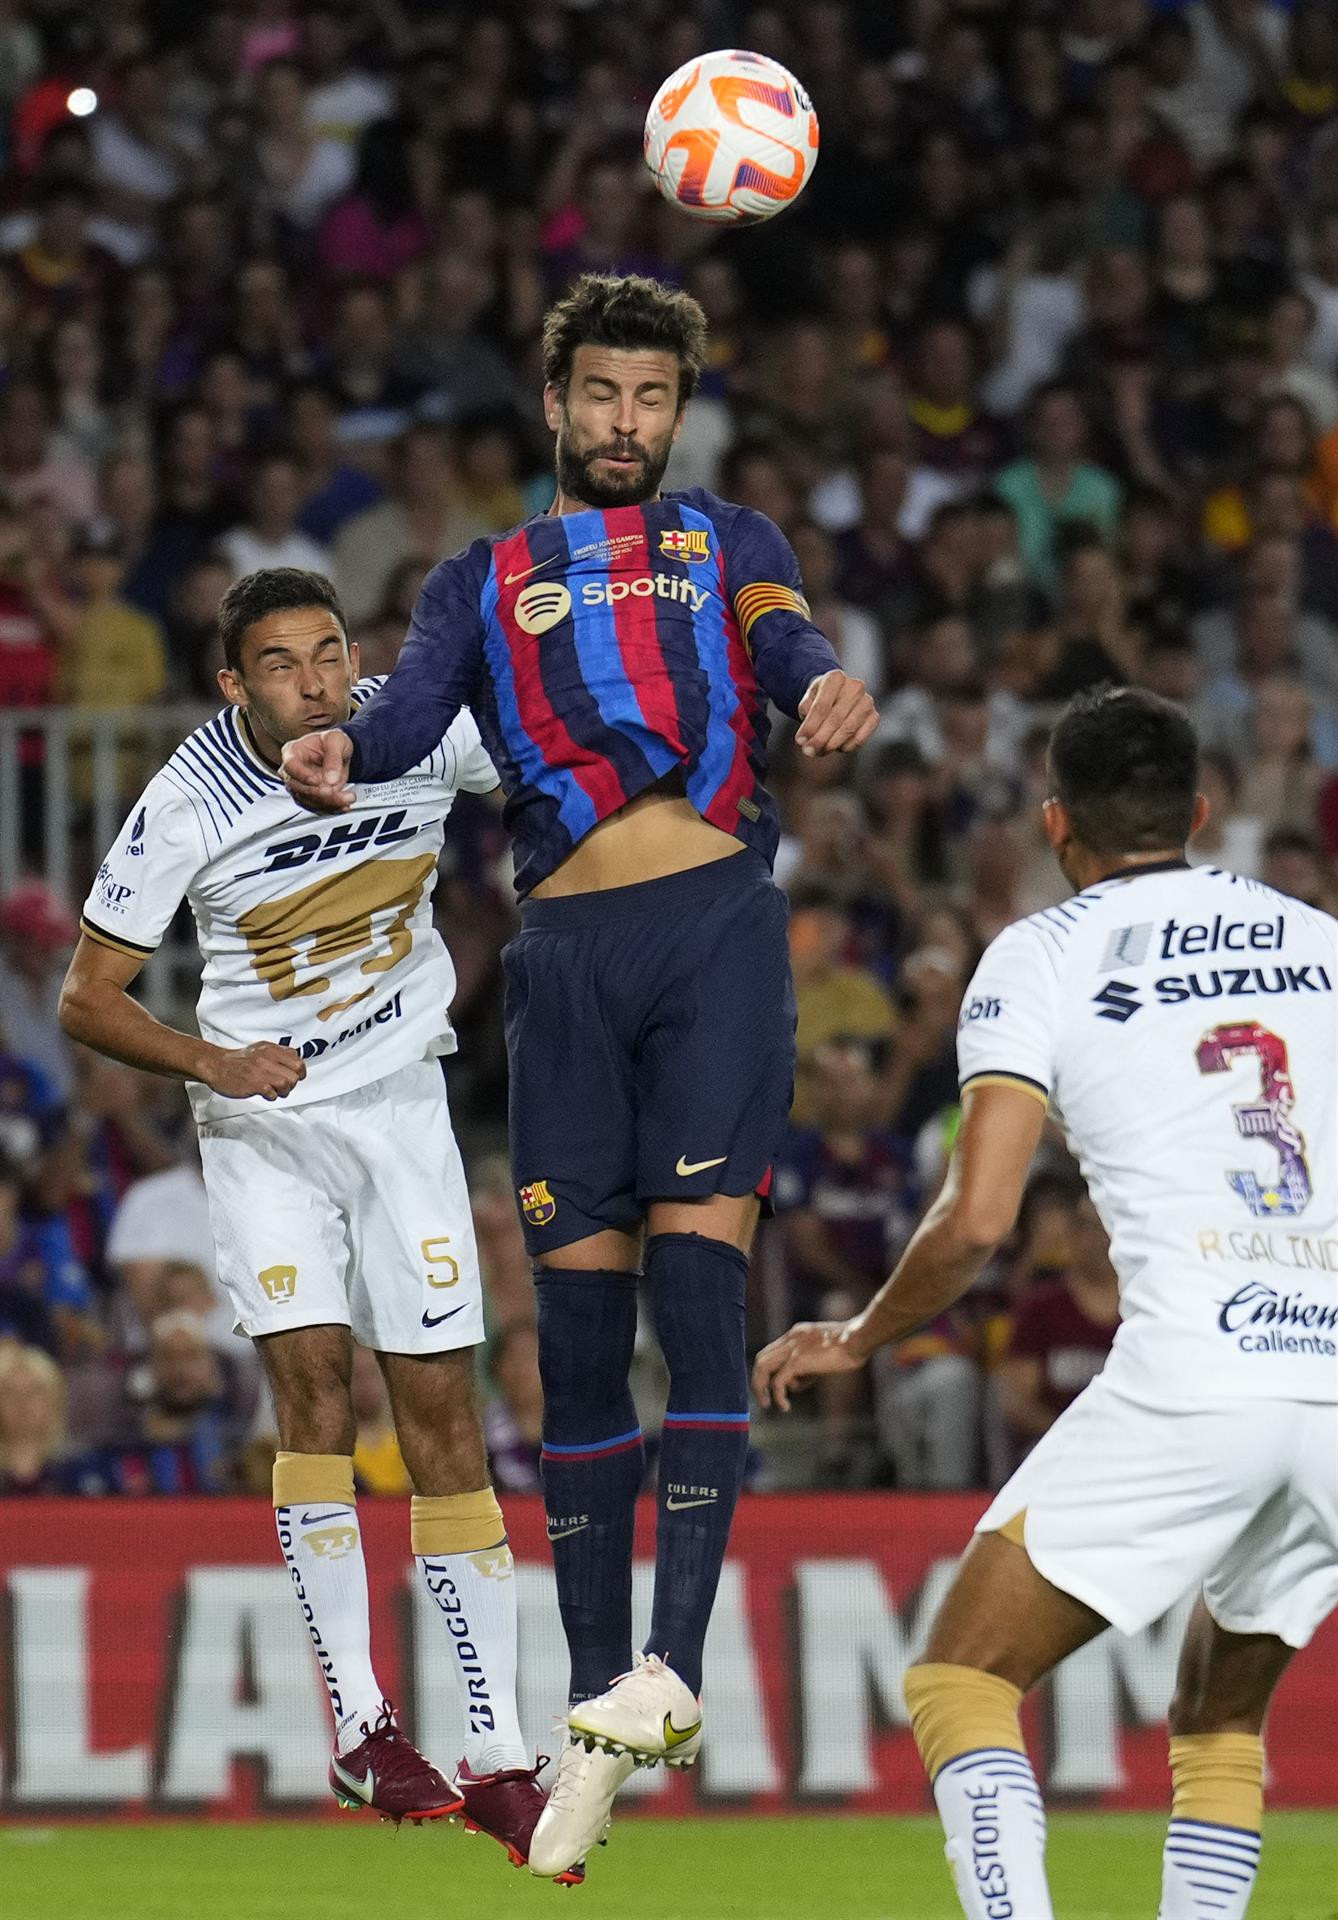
{"x":811,"y":1348}
{"x":315,"y":770}
{"x":239,"y":1073}
{"x":836,"y":715}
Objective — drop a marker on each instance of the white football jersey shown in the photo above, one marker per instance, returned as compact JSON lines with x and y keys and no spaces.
{"x":315,"y":932}
{"x":1183,"y":1024}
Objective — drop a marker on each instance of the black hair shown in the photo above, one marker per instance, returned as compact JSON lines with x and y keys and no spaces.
{"x":1125,"y":765}
{"x":271,"y":590}
{"x":629,"y":311}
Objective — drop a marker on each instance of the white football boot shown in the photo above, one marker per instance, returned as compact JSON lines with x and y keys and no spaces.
{"x":579,"y":1810}
{"x":649,"y":1714}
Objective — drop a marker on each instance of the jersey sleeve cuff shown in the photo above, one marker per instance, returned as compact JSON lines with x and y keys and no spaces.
{"x":113,"y":940}
{"x":1000,"y":1077}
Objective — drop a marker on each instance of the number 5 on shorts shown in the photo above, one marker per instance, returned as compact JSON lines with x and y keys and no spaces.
{"x":436,"y":1253}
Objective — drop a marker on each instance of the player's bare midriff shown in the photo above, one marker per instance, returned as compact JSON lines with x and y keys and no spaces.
{"x":658,"y":833}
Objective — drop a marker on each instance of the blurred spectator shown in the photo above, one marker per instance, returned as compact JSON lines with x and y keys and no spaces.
{"x":513,"y":1415}
{"x":424,"y":519}
{"x":331,"y":490}
{"x":836,"y":1001}
{"x":378,"y":1465}
{"x":36,"y":933}
{"x":45,"y":1298}
{"x":116,"y":656}
{"x":269,"y":535}
{"x":1056,"y":484}
{"x":182,"y":1425}
{"x":1292,"y":863}
{"x":846,"y":1203}
{"x":1062,"y":1330}
{"x":32,"y":1421}
{"x":162,"y":1224}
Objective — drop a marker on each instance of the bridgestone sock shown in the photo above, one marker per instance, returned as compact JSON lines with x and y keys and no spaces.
{"x":317,"y":1520}
{"x":459,"y":1541}
{"x":1212,"y":1844}
{"x":696,"y":1288}
{"x":592,"y":1463}
{"x":966,"y":1726}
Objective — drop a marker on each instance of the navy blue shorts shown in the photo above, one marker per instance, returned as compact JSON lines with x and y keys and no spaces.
{"x":650,"y":1032}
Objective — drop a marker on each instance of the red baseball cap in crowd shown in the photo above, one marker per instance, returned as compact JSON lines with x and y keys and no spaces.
{"x":34,"y":912}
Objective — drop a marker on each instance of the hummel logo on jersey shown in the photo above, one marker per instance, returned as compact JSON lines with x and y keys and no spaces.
{"x":435,"y":1319}
{"x":346,"y":836}
{"x":686,"y":1166}
{"x":1117,"y":1000}
{"x":1127,"y":946}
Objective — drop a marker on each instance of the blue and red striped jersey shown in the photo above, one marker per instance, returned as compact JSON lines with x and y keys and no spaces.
{"x":602,"y":652}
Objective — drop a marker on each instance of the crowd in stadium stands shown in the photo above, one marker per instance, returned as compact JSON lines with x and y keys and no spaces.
{"x":1041,"y":379}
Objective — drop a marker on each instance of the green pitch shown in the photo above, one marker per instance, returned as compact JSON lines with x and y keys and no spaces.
{"x":1103,"y":1867}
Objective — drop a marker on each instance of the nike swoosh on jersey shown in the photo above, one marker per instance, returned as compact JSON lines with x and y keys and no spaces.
{"x":685,"y":1167}
{"x":538,"y":567}
{"x":365,"y":1788}
{"x":673,"y":1737}
{"x":567,"y":1532}
{"x":677,"y":1506}
{"x":310,"y":1519}
{"x":435,"y":1319}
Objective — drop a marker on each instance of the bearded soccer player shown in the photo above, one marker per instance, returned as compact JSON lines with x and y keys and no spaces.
{"x":336,"y":1191}
{"x":618,"y":653}
{"x":1182,"y":1024}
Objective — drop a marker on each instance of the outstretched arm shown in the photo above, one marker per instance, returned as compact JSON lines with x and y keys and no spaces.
{"x":1001,"y":1129}
{"x":434,"y":677}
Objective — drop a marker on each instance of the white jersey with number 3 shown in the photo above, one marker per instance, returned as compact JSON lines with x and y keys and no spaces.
{"x":315,"y":932}
{"x":1183,"y":1025}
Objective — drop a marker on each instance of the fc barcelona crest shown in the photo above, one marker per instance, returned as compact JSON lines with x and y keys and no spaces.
{"x":537,"y":1203}
{"x":685,"y":543}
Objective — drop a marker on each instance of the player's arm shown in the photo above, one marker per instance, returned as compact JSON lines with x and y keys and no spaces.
{"x":138,"y":889}
{"x":97,"y":1008}
{"x":795,"y":663}
{"x":435,"y":675}
{"x":975,"y":1210}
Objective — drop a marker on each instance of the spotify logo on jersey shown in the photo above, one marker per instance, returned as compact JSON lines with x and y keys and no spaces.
{"x":542,"y":606}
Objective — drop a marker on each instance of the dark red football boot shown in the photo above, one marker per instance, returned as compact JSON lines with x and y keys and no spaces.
{"x":506,"y":1806}
{"x":389,"y":1775}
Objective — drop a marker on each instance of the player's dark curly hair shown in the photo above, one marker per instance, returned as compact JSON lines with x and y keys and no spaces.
{"x":625,"y":310}
{"x":1125,"y":764}
{"x":271,"y":590}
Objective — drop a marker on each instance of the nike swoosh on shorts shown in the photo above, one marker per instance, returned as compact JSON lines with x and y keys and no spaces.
{"x":435,"y":1320}
{"x":686,"y":1167}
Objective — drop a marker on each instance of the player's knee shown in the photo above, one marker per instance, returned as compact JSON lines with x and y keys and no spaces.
{"x":697,"y":1288}
{"x":587,"y":1331}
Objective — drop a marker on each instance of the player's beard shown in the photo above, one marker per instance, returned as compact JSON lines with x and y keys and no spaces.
{"x":578,"y":480}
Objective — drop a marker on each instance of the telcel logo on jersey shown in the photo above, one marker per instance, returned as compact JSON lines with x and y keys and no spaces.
{"x":656,"y":586}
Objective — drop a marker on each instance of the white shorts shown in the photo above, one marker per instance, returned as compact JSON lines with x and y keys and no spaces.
{"x":350,"y":1212}
{"x":1129,"y":1507}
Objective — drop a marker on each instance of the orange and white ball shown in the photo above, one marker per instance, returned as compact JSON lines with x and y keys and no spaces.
{"x":731,"y":137}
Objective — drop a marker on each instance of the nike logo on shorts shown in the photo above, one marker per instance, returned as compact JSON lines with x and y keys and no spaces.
{"x":677,"y":1506}
{"x":435,"y":1319}
{"x":512,"y":578}
{"x":686,"y":1167}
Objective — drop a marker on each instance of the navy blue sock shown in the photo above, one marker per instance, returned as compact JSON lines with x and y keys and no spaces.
{"x":592,"y":1463}
{"x":696,"y":1288}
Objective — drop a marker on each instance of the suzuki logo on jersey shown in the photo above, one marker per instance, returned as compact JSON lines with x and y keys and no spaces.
{"x":1127,"y":947}
{"x":685,"y":543}
{"x":1117,"y":1000}
{"x":657,"y":586}
{"x":346,"y":836}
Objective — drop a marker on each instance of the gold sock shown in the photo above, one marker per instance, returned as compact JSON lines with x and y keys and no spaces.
{"x":313,"y":1476}
{"x":455,"y":1522}
{"x":1219,"y":1778}
{"x":957,"y":1710}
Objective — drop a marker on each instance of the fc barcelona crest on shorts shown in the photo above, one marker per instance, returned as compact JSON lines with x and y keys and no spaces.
{"x":537,"y":1203}
{"x":685,"y":543}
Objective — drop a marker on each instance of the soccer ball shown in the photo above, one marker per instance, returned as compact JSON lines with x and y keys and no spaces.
{"x":731,"y":137}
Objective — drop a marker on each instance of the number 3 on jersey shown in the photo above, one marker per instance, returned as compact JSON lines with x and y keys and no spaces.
{"x":1269,"y":1118}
